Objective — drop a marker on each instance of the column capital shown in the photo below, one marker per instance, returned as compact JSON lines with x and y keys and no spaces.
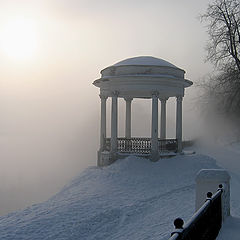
{"x":128,"y":99}
{"x":179,"y":98}
{"x":115,"y":93}
{"x":163,"y":99}
{"x":103,"y":97}
{"x":155,"y":93}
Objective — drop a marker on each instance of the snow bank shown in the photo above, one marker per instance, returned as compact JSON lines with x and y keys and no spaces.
{"x":131,"y":199}
{"x":230,"y":229}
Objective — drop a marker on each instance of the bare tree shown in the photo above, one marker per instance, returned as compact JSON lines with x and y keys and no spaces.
{"x":223,"y":23}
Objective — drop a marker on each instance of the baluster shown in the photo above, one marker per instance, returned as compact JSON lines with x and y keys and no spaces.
{"x":140,"y":146}
{"x":143,"y":146}
{"x":130,"y":145}
{"x":137,"y":145}
{"x":147,"y":145}
{"x":119,"y":145}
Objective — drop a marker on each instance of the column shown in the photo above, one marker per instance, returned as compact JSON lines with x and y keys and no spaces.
{"x":103,"y":122}
{"x":179,"y":123}
{"x":154,"y":134}
{"x":114,"y":122}
{"x":128,"y":117}
{"x":163,"y":118}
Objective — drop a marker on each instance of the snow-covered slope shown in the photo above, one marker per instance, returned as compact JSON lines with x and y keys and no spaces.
{"x":131,"y":199}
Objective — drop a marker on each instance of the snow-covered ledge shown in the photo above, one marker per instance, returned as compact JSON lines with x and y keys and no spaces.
{"x":208,"y":180}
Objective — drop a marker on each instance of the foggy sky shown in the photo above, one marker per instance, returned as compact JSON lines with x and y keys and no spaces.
{"x":49,"y":125}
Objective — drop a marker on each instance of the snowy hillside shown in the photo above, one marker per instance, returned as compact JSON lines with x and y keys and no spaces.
{"x":131,"y":199}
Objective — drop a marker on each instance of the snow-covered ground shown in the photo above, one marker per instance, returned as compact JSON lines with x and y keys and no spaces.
{"x":228,"y":157}
{"x":131,"y":199}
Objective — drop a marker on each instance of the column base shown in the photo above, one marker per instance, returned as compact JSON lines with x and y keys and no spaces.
{"x":179,"y":146}
{"x":154,"y":156}
{"x":113,"y":157}
{"x":106,"y":158}
{"x":103,"y":158}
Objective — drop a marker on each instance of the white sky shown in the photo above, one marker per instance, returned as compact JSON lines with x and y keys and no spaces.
{"x":49,"y":108}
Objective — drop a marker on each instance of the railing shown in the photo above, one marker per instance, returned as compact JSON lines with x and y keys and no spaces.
{"x":167,"y":145}
{"x":134,"y":145}
{"x":205,"y":224}
{"x":141,"y":145}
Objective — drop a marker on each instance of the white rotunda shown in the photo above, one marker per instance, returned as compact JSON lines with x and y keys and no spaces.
{"x":140,"y":77}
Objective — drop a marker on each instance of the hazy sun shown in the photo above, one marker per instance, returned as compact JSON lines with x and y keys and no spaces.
{"x":19,"y":38}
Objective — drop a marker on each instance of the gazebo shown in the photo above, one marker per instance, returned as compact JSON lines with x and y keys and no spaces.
{"x":140,"y":77}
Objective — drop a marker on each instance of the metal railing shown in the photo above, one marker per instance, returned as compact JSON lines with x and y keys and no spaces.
{"x":134,"y":145}
{"x":167,"y":145}
{"x":205,"y":224}
{"x":141,"y":145}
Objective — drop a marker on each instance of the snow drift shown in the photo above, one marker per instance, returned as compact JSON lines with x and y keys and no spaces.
{"x":131,"y":199}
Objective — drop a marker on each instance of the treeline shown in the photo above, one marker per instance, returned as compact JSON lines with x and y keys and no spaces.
{"x":222,"y":88}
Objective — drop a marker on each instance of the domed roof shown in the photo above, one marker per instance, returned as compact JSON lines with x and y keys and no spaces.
{"x":145,"y":61}
{"x":140,"y":76}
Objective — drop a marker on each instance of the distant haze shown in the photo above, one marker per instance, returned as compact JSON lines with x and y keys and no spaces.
{"x":49,"y":124}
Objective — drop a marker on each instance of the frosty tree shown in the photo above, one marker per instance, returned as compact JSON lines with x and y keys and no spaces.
{"x":223,"y":22}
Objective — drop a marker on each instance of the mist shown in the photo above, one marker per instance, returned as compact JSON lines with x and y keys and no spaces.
{"x":49,"y":125}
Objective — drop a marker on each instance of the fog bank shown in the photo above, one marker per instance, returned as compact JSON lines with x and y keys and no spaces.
{"x":49,"y":125}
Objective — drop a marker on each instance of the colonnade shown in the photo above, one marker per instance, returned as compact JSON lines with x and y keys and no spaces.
{"x":154,"y":126}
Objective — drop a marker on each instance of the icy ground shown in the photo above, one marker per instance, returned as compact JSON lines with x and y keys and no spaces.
{"x":131,"y":199}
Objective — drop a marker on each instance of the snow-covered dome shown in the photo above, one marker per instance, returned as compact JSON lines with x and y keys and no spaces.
{"x":145,"y":61}
{"x":140,"y":76}
{"x":143,"y":65}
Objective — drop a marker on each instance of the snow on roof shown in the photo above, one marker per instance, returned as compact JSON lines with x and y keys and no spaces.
{"x":145,"y":60}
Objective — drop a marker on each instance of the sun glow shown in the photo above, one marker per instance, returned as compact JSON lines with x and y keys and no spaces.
{"x":19,"y":40}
